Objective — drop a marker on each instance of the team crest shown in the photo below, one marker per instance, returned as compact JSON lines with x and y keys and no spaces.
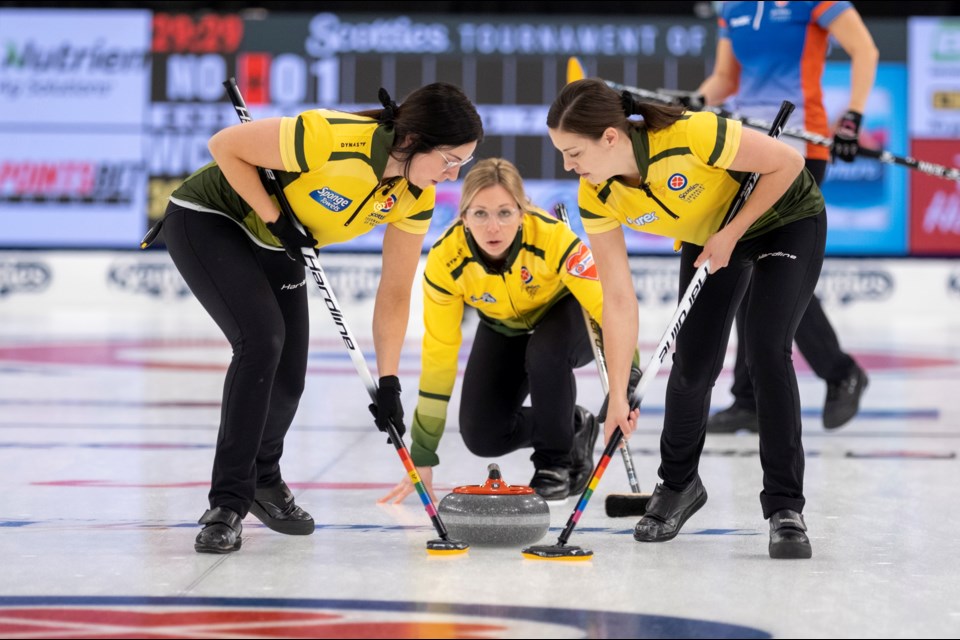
{"x":581,"y":264}
{"x":525,"y":276}
{"x":386,"y":205}
{"x":677,"y":181}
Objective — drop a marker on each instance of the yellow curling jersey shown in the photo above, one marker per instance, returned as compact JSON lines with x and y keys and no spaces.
{"x":546,"y":262}
{"x":334,"y":164}
{"x":686,"y":186}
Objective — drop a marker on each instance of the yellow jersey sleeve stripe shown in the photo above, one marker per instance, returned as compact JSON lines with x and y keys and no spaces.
{"x":720,"y":142}
{"x":563,"y":257}
{"x":423,"y":215}
{"x":435,"y":285}
{"x":298,"y":138}
{"x":589,"y":214}
{"x":434,"y":396}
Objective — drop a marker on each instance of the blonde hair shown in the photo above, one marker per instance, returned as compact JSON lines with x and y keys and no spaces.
{"x":490,"y":173}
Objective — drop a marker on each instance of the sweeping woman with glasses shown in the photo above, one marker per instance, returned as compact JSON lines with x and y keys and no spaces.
{"x":343,"y":174}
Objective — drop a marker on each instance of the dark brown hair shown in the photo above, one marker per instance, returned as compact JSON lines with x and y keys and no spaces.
{"x":436,"y":115}
{"x":588,"y":107}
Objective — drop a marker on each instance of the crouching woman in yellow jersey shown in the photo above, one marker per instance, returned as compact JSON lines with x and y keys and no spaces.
{"x":675,"y":174}
{"x":343,"y":174}
{"x":517,"y":266}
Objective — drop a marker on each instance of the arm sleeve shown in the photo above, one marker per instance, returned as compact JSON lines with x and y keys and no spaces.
{"x":714,"y":140}
{"x":305,"y":142}
{"x":442,"y":315}
{"x":417,"y":221}
{"x":593,"y":213}
{"x":826,"y":12}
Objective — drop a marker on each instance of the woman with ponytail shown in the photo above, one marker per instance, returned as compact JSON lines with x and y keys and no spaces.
{"x":675,"y":174}
{"x":343,"y":174}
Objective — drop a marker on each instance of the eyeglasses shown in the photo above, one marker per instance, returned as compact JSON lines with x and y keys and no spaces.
{"x":452,"y":164}
{"x":503,"y":216}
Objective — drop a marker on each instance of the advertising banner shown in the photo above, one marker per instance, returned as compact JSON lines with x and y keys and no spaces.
{"x":866,"y":210}
{"x":73,"y":98}
{"x":934,"y":62}
{"x":935,"y":202}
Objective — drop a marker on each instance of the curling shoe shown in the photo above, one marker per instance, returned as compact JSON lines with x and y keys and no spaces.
{"x":788,"y":538}
{"x":274,"y":506}
{"x":732,"y":419}
{"x":586,"y":429}
{"x":551,"y":483}
{"x":843,"y":398}
{"x":221,"y":533}
{"x":667,"y":510}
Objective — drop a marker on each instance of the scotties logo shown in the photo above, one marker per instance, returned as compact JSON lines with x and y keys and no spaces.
{"x":330,"y":199}
{"x":581,"y":264}
{"x":386,"y":205}
{"x":525,"y":275}
{"x":677,"y":181}
{"x":157,"y":280}
{"x":846,"y":286}
{"x":17,"y":276}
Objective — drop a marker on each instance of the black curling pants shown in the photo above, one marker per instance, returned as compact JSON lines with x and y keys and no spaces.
{"x":501,"y":371}
{"x":815,"y":338}
{"x":258,"y":298}
{"x":781,"y":267}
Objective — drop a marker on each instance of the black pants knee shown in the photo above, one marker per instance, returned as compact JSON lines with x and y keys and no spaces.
{"x":258,"y":298}
{"x":781,"y":267}
{"x":501,"y":371}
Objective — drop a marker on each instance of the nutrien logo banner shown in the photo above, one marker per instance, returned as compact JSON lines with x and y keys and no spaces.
{"x":18,"y":276}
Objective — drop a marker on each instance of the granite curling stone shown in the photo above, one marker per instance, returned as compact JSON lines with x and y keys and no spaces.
{"x":495,"y":513}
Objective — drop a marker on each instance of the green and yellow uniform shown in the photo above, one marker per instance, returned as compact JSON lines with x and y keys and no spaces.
{"x":546,"y":263}
{"x":333,"y":171}
{"x":687,"y":185}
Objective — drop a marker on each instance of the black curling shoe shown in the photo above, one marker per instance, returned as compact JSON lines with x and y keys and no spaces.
{"x":788,"y":538}
{"x":221,"y":533}
{"x":275,"y":507}
{"x":667,"y":510}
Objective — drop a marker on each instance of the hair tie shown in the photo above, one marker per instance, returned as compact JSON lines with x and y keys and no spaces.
{"x":628,"y":103}
{"x":390,"y":108}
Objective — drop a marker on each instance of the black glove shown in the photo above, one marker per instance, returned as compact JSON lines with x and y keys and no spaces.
{"x":387,"y":408}
{"x":846,"y":137}
{"x":292,"y":240}
{"x":634,"y":380}
{"x":692,"y":101}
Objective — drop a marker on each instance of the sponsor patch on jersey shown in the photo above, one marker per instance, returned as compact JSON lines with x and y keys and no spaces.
{"x":486,"y":297}
{"x":525,"y":276}
{"x":581,"y":264}
{"x":643,"y":219}
{"x":330,"y":199}
{"x":677,"y":181}
{"x":386,"y":205}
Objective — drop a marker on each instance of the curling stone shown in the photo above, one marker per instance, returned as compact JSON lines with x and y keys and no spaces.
{"x":495,"y":513}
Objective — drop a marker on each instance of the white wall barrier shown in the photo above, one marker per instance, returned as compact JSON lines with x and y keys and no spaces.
{"x":126,"y":284}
